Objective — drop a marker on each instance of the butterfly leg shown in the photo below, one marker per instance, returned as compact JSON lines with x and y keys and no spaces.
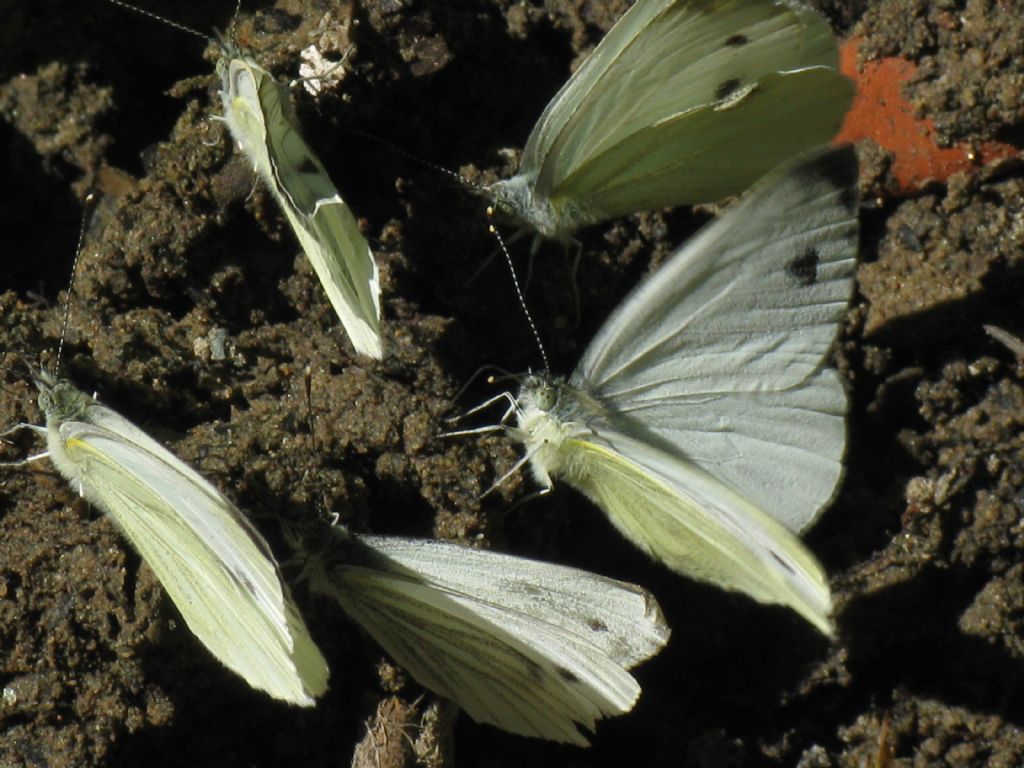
{"x":21,"y":426}
{"x":17,"y":428}
{"x":534,"y":250}
{"x":476,"y":431}
{"x":506,"y":396}
{"x":25,"y":461}
{"x":255,"y":186}
{"x":512,"y":410}
{"x":524,"y":460}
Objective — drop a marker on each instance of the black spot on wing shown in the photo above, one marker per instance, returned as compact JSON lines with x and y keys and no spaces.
{"x":782,"y":562}
{"x":307,"y":166}
{"x":536,"y":671}
{"x":804,"y":268}
{"x":736,"y":41}
{"x":727,"y":88}
{"x":243,"y":580}
{"x":839,"y":169}
{"x":597,"y":625}
{"x":567,"y":674}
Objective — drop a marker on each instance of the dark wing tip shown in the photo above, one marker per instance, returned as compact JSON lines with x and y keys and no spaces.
{"x":837,"y":166}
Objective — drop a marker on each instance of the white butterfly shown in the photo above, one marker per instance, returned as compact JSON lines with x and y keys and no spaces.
{"x":209,"y":559}
{"x":683,"y":101}
{"x":533,"y":648}
{"x":702,"y":418}
{"x":259,"y":113}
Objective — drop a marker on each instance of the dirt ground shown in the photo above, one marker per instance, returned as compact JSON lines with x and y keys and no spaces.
{"x":195,"y":315}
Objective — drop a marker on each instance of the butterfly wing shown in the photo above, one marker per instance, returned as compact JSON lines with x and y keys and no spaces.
{"x":507,"y":657}
{"x":685,"y":101}
{"x":687,"y":519}
{"x":261,"y":119}
{"x":709,"y":153}
{"x":621,"y":620}
{"x":720,"y":354}
{"x":211,"y":562}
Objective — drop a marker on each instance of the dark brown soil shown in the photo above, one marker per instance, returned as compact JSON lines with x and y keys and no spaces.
{"x":195,"y":315}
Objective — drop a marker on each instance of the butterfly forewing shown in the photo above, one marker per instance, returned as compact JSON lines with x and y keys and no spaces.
{"x":621,"y":619}
{"x":708,"y":154}
{"x":721,"y":353}
{"x":213,"y":565}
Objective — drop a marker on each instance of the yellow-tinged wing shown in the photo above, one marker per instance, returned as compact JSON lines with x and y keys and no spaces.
{"x":682,"y":102}
{"x":257,"y":110}
{"x":695,"y":525}
{"x":212,"y":564}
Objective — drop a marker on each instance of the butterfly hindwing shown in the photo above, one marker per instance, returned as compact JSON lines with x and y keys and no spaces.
{"x":695,"y":525}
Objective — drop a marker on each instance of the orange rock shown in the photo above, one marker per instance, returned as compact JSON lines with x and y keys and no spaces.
{"x":881,"y":113}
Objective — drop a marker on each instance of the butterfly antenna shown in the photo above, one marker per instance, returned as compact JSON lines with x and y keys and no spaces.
{"x":473,"y":377}
{"x":163,"y":19}
{"x":416,"y":158}
{"x":87,"y":209}
{"x":234,"y":24}
{"x":519,"y":291}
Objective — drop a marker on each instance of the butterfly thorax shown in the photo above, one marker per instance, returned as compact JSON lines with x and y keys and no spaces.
{"x":61,"y":402}
{"x":241,"y":82}
{"x":328,"y":558}
{"x":550,"y":414}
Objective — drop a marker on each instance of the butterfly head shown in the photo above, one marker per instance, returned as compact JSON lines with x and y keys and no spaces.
{"x":59,"y":399}
{"x":513,"y":199}
{"x":229,"y":49}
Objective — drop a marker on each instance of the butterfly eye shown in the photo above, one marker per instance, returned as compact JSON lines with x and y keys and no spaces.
{"x":546,"y":398}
